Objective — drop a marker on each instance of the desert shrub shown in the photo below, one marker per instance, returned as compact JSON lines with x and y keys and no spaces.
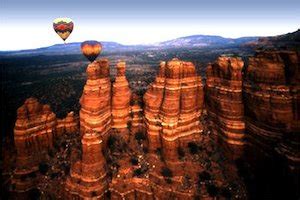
{"x":204,"y":176}
{"x":34,"y":194}
{"x":57,"y":144}
{"x":129,"y":125}
{"x":94,"y":193}
{"x":134,"y":161}
{"x":225,"y":193}
{"x":137,"y":172}
{"x":51,"y":153}
{"x":212,"y":190}
{"x":139,"y":136}
{"x":55,"y":175}
{"x":158,"y":151}
{"x":166,"y":172}
{"x":64,"y":144}
{"x":168,"y":180}
{"x":32,"y":175}
{"x":193,"y":147}
{"x":66,"y":168}
{"x":43,"y":168}
{"x":145,"y":150}
{"x":111,"y":141}
{"x":180,"y":152}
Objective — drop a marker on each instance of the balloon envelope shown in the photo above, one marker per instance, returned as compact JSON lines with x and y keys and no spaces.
{"x":91,"y":49}
{"x":63,"y":27}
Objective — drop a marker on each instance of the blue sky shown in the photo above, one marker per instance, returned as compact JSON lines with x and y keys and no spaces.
{"x":28,"y":23}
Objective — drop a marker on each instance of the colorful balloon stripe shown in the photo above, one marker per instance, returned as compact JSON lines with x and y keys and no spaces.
{"x":63,"y":27}
{"x":91,"y":49}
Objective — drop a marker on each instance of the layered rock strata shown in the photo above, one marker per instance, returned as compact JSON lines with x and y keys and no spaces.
{"x":121,"y":96}
{"x":88,"y":177}
{"x":173,"y":105}
{"x":224,"y":100}
{"x":33,"y":134}
{"x":95,"y":112}
{"x":290,"y":145}
{"x":134,"y":189}
{"x":127,"y":185}
{"x":271,"y":96}
{"x":137,"y":119}
{"x":67,"y":125}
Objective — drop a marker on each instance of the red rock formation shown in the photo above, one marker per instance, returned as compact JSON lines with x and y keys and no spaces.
{"x":95,"y":112}
{"x":126,"y":185}
{"x":290,"y":145}
{"x":271,"y":90}
{"x":224,"y":99}
{"x":67,"y":125}
{"x":33,"y":134}
{"x":137,"y":119}
{"x":121,"y":96}
{"x":134,"y":188}
{"x":173,"y":105}
{"x":88,"y":177}
{"x":153,"y":99}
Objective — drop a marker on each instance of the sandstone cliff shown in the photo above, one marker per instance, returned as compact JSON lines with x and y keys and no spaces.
{"x":88,"y":176}
{"x":137,"y":118}
{"x":223,"y":98}
{"x":67,"y":125}
{"x":173,"y":105}
{"x":95,"y":112}
{"x":121,"y":96}
{"x":33,"y":133}
{"x":256,"y":105}
{"x":174,"y":167}
{"x":271,"y":98}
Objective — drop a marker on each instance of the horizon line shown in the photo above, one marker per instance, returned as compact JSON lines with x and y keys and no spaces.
{"x":145,"y":44}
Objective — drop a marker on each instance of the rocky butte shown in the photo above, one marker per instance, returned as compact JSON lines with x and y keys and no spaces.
{"x":88,"y":176}
{"x":35,"y":131}
{"x":136,"y":112}
{"x":173,"y":106}
{"x":95,"y":112}
{"x":169,"y":170}
{"x":121,"y":96}
{"x":67,"y":125}
{"x":166,"y":149}
{"x":271,"y":99}
{"x":224,"y":99}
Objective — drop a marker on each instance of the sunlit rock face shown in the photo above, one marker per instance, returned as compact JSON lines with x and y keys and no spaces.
{"x":223,"y":98}
{"x":153,"y":99}
{"x":173,"y":105}
{"x":88,"y":176}
{"x":67,"y":125}
{"x":95,"y":112}
{"x":121,"y":96}
{"x":33,"y":134}
{"x":137,"y":119}
{"x":104,"y":106}
{"x":271,"y":98}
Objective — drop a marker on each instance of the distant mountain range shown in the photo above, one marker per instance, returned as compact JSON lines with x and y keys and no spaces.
{"x":68,"y":48}
{"x":189,"y":41}
{"x":194,"y":41}
{"x":205,"y":40}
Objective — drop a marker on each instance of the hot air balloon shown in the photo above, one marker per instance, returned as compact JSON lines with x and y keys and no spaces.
{"x":91,"y":49}
{"x":63,"y":27}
